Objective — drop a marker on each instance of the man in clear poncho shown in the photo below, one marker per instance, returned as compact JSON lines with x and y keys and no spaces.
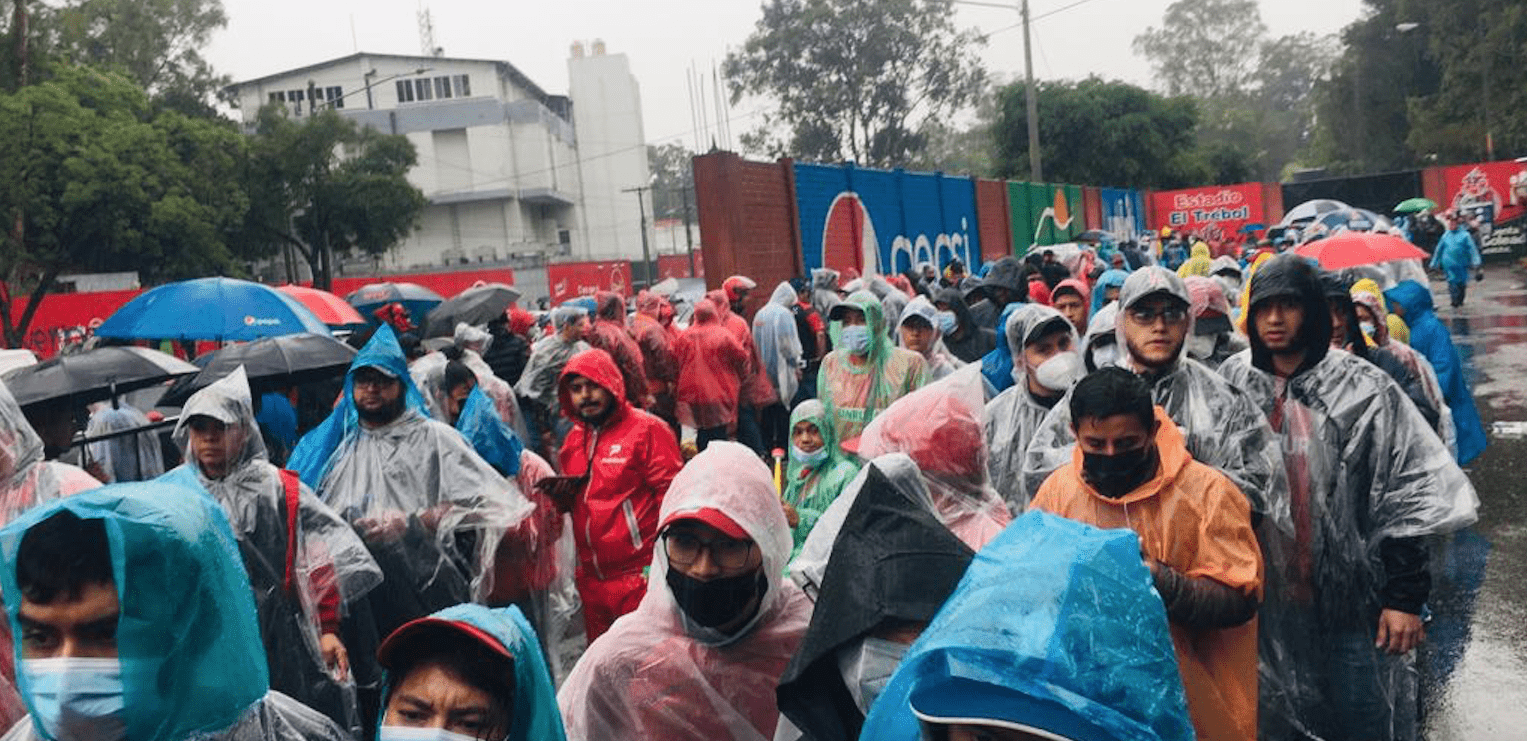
{"x":818,"y":468}
{"x":1368,"y":482}
{"x":139,"y":623}
{"x":124,"y":458}
{"x":1222,"y":424}
{"x":1100,"y":345}
{"x":304,"y":571}
{"x":470,"y":344}
{"x":1214,"y":337}
{"x":1046,"y":362}
{"x":431,"y":510}
{"x":538,"y":384}
{"x":918,"y":330}
{"x":26,"y":480}
{"x":865,"y":374}
{"x":780,"y":358}
{"x":701,"y":656}
{"x":1054,"y":632}
{"x":824,"y":290}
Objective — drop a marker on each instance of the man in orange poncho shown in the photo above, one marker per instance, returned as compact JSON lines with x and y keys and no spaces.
{"x":1131,"y":469}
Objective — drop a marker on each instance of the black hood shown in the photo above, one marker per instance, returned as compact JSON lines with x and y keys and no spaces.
{"x":1338,"y":292}
{"x":1290,"y":275}
{"x":955,"y":299}
{"x":1005,"y":273}
{"x":892,"y":559}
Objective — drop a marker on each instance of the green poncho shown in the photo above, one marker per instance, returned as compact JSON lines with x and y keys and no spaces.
{"x":809,"y":488}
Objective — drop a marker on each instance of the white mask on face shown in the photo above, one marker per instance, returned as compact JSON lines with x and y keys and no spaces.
{"x":1201,"y":346}
{"x":867,"y":666}
{"x":1105,"y":355}
{"x":1061,"y":371}
{"x":410,"y":733}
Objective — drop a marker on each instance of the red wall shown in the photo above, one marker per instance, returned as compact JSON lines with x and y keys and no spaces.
{"x":993,"y":221}
{"x":748,"y":222}
{"x":677,"y":266}
{"x":445,"y":284}
{"x":573,"y":279}
{"x":60,"y":312}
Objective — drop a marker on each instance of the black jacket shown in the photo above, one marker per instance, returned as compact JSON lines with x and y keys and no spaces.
{"x":974,"y":341}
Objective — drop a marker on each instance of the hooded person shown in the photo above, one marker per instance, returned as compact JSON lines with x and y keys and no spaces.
{"x":702,"y":655}
{"x":509,"y":350}
{"x":1100,"y":346}
{"x":1071,"y":298}
{"x":429,"y":508}
{"x":966,"y":340}
{"x":153,"y":633}
{"x":818,"y":469}
{"x":1222,"y":425}
{"x":1374,"y":320}
{"x":781,"y":359}
{"x":918,"y":330}
{"x":651,"y":334}
{"x":1132,"y":470}
{"x":304,"y":569}
{"x":1002,"y":285}
{"x":470,"y":672}
{"x":1347,"y":334}
{"x":1368,"y":483}
{"x":1046,"y":362}
{"x":128,"y":457}
{"x":609,"y":333}
{"x":893,"y":564}
{"x":26,"y":480}
{"x":623,"y":459}
{"x":1199,"y":264}
{"x":1214,"y":336}
{"x":1053,"y":632}
{"x":537,"y":388}
{"x":469,"y":344}
{"x":1226,"y":271}
{"x":1109,"y":281}
{"x":712,"y":364}
{"x":1429,"y":337}
{"x":757,"y":392}
{"x":1457,"y":254}
{"x":865,"y":374}
{"x":824,"y":290}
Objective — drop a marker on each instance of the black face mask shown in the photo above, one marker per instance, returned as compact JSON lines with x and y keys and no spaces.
{"x":717,"y":602}
{"x":1116,"y":475}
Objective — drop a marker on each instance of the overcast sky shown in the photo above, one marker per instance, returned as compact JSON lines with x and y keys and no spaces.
{"x":665,"y":38}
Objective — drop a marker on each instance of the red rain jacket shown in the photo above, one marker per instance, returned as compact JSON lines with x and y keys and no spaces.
{"x":633,"y":457}
{"x":609,"y":333}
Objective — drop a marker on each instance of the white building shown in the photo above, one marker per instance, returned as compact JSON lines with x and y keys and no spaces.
{"x":499,"y":157}
{"x":612,"y":149}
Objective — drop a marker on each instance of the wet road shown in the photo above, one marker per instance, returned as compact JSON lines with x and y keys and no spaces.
{"x":1474,"y":668}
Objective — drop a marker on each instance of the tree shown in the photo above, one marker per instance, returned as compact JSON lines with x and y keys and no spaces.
{"x":93,"y":178}
{"x":857,"y":80}
{"x":156,"y":43}
{"x":1205,"y":48}
{"x":674,"y":183}
{"x":327,"y":186}
{"x":1099,"y":131}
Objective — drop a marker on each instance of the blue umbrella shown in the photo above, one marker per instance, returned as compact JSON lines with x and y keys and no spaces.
{"x":417,"y":299}
{"x":223,"y":309}
{"x":1249,"y":228}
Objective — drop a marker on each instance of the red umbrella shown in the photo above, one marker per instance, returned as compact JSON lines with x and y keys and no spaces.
{"x":331,"y":310}
{"x":1349,"y":249}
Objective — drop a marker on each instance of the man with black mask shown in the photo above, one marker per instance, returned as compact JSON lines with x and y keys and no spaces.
{"x":701,"y":656}
{"x":1134,"y":471}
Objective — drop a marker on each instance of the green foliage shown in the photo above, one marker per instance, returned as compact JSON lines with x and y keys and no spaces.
{"x":155,"y":43}
{"x":93,"y":178}
{"x":327,"y":185}
{"x":853,"y":79}
{"x":674,"y":180}
{"x":1205,"y":48}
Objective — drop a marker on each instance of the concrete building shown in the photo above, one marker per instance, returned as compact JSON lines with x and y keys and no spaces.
{"x":612,"y":152}
{"x":500,"y":159}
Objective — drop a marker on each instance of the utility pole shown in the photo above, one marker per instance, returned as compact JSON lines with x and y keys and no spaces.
{"x":641,"y":203}
{"x":1036,"y":170}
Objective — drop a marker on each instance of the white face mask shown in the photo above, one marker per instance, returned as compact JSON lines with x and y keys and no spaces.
{"x":77,"y":699}
{"x":1061,"y":371}
{"x":409,"y":733}
{"x":1105,"y":355}
{"x":1200,"y":347}
{"x":867,"y":666}
{"x":807,"y":459}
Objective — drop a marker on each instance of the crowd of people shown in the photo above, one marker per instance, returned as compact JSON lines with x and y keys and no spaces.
{"x":1132,"y":493}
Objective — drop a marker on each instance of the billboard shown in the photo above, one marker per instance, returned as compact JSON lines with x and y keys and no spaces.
{"x":1496,"y":193}
{"x":1213,"y":213}
{"x":573,"y":279}
{"x":1123,"y":213}
{"x":885,"y":221}
{"x":1044,"y":214}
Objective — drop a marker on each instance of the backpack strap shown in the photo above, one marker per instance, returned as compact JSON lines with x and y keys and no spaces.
{"x":292,"y":489}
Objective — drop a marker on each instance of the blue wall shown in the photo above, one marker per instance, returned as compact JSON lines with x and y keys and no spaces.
{"x":916,"y":217}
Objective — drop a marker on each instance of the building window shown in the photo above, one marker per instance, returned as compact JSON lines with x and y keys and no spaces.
{"x":442,"y":87}
{"x":278,"y":97}
{"x":405,"y":91}
{"x":295,"y":96}
{"x":461,"y":83}
{"x":335,"y":96}
{"x":422,"y":89}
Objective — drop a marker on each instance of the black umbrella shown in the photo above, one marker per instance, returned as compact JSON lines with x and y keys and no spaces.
{"x":1094,"y":235}
{"x":93,"y":375}
{"x":270,"y":363}
{"x":476,"y":305}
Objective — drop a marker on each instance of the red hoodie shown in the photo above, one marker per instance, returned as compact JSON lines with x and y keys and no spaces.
{"x":634,"y":457}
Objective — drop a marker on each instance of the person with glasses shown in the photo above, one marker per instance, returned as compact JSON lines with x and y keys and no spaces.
{"x":701,"y":657}
{"x":1222,"y":426}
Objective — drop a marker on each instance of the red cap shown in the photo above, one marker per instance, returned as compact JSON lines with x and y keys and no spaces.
{"x":713,"y":517}
{"x":384,"y":653}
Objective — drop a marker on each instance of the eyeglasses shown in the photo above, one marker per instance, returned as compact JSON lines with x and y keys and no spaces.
{"x":1147,"y":316}
{"x":684,"y":549}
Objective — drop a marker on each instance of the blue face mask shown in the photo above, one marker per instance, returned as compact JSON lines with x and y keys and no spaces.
{"x":76,"y":698}
{"x":856,"y":339}
{"x":409,"y":733}
{"x":808,"y":459}
{"x":947,"y":322}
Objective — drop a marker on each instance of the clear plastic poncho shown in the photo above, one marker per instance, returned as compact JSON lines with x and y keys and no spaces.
{"x":498,"y":390}
{"x":188,"y":638}
{"x":855,"y":390}
{"x":1109,"y":279}
{"x":812,"y":487}
{"x":330,"y":567}
{"x":940,"y":361}
{"x":655,"y":676}
{"x":1099,"y":348}
{"x":479,"y":420}
{"x":997,"y":363}
{"x":779,"y":342}
{"x":431,"y":509}
{"x":1014,"y":418}
{"x":712,"y":366}
{"x":548,"y":356}
{"x":1363,"y":467}
{"x":824,"y":290}
{"x":1055,"y":625}
{"x":128,"y":457}
{"x":1366,"y":292}
{"x":1223,"y":426}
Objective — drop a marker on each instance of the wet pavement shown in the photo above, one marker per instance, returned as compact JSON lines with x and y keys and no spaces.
{"x":1474,"y":666}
